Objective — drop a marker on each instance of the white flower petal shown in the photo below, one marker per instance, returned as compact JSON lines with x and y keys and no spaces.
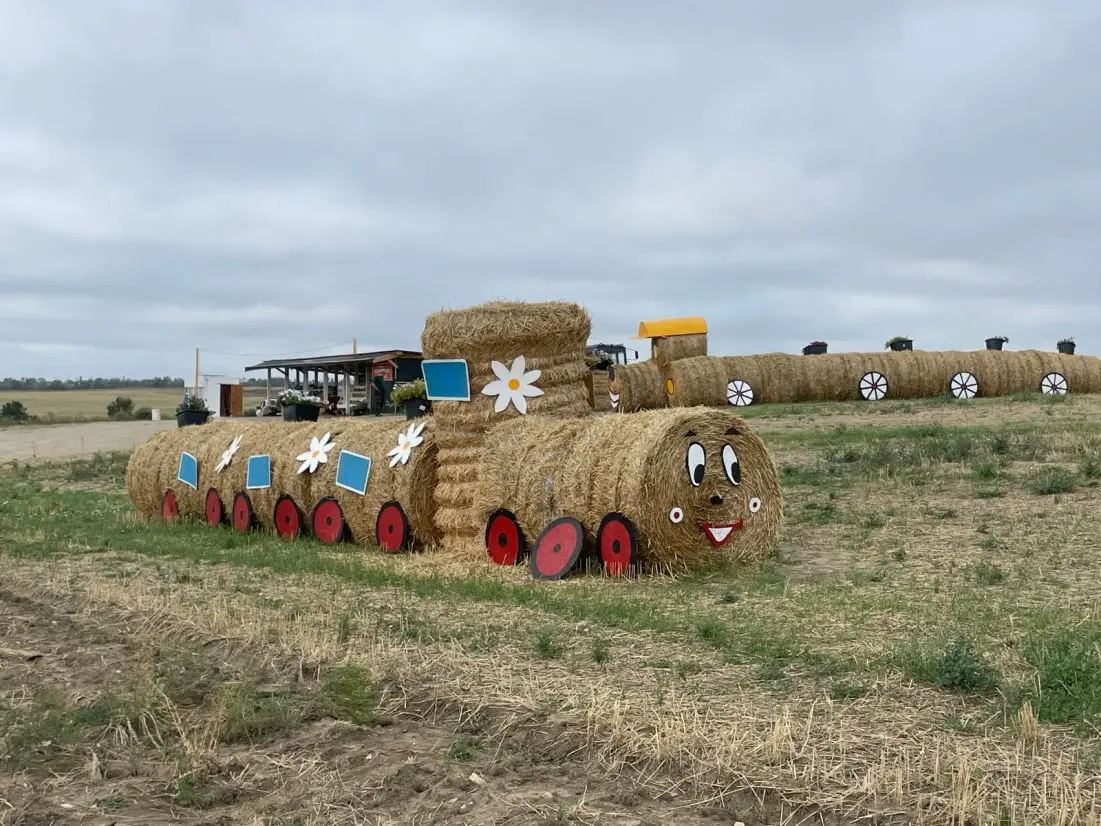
{"x":500,"y":371}
{"x":303,"y":457}
{"x":394,"y":451}
{"x":416,"y":440}
{"x":531,"y":390}
{"x":521,"y":403}
{"x":519,"y":364}
{"x":502,"y":402}
{"x":396,"y":459}
{"x":530,"y":376}
{"x":420,"y":429}
{"x":303,"y":466}
{"x":495,"y":388}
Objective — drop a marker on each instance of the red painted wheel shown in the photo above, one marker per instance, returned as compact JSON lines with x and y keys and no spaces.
{"x":392,"y":528}
{"x":241,"y":517}
{"x":170,"y":508}
{"x":505,"y":541}
{"x":327,"y":521}
{"x":557,"y":549}
{"x":215,"y":513}
{"x":288,"y":519}
{"x":618,"y":544}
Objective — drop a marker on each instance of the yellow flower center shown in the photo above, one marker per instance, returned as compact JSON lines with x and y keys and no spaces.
{"x":314,"y":454}
{"x":513,"y":384}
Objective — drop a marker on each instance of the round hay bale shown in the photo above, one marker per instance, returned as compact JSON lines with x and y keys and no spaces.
{"x":666,"y":349}
{"x":143,"y":476}
{"x":550,"y":337}
{"x":199,"y":441}
{"x":639,"y":466}
{"x":636,"y":386}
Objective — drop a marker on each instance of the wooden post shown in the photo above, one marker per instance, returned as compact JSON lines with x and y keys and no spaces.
{"x":267,"y":387}
{"x":354,"y":349}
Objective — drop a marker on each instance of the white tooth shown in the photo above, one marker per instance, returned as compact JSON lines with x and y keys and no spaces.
{"x":720,"y":534}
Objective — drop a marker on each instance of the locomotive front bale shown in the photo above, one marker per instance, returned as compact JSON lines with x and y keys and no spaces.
{"x":551,"y":338}
{"x":697,"y":484}
{"x":637,"y":386}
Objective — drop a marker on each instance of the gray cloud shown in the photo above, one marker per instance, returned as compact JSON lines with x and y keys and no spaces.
{"x":271,"y":177}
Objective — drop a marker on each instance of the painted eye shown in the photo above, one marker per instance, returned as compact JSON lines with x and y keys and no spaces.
{"x":731,"y":467}
{"x":676,"y":516}
{"x":694,"y":461}
{"x":754,"y":505}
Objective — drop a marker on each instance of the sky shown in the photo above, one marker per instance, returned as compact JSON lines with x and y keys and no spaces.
{"x":278,"y":178}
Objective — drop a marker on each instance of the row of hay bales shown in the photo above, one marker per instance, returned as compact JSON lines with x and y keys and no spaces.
{"x":782,"y":377}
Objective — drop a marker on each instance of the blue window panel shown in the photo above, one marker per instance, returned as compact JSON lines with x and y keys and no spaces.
{"x":259,"y":472}
{"x":189,"y":470}
{"x":446,"y":380}
{"x":352,"y":472}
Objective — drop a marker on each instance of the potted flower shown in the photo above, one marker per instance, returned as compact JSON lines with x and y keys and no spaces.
{"x":996,"y":342}
{"x":815,"y":348}
{"x":412,"y":397}
{"x":299,"y":407}
{"x":1066,"y":346}
{"x":899,"y":343}
{"x":192,"y":410}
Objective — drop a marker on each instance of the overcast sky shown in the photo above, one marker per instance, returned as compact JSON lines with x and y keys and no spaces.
{"x":278,"y":177}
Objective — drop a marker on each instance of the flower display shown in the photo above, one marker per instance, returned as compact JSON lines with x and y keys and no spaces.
{"x":513,"y":385}
{"x":407,"y":440}
{"x":316,"y":455}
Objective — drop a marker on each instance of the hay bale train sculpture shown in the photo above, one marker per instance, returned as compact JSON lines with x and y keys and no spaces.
{"x":513,"y":465}
{"x":681,"y":374}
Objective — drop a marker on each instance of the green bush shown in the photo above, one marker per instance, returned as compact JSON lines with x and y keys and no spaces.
{"x":121,"y":408}
{"x":14,"y":411}
{"x":145,"y":413}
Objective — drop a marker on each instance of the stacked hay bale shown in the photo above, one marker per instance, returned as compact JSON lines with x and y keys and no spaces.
{"x":601,"y":401}
{"x":636,"y":466}
{"x":551,"y":337}
{"x":666,"y":349}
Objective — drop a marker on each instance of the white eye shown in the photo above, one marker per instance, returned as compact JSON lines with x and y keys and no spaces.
{"x":694,"y":461}
{"x":754,"y":505}
{"x":676,"y":516}
{"x":731,"y":467}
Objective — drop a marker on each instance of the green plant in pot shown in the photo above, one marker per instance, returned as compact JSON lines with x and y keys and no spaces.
{"x":899,"y":343}
{"x":1066,"y":346}
{"x":996,"y":342}
{"x":298,"y":406}
{"x":412,"y":397}
{"x":191,"y":411}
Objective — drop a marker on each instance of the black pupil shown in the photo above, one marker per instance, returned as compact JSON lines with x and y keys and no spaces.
{"x":502,"y":540}
{"x":697,"y":474}
{"x":557,"y":548}
{"x":615,"y":546}
{"x":736,"y":472}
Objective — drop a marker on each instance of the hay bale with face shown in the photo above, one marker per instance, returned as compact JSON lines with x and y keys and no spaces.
{"x":523,"y":359}
{"x":637,"y":386}
{"x":690,"y":485}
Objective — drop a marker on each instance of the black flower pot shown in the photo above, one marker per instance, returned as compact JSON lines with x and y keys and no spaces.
{"x":190,"y":417}
{"x":814,"y":349}
{"x":415,"y":408}
{"x":1066,"y":347}
{"x":301,"y":412}
{"x":905,"y":344}
{"x":994,"y":344}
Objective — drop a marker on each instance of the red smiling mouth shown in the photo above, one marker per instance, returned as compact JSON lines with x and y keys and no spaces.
{"x":718,"y":534}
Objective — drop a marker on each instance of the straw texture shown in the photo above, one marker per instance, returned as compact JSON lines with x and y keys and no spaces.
{"x":781,"y":377}
{"x":668,"y":349}
{"x":153,"y":465}
{"x":551,"y":338}
{"x":601,"y":401}
{"x":638,"y":466}
{"x":636,"y":386}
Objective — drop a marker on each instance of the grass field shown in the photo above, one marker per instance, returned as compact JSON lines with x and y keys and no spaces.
{"x":926,"y":648}
{"x":91,"y":405}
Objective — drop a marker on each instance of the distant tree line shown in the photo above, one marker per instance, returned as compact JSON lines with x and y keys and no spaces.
{"x":100,"y":383}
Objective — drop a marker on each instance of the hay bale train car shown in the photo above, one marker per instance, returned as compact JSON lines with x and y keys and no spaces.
{"x":512,"y":466}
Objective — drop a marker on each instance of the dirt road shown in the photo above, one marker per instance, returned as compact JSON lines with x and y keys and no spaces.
{"x":60,"y":441}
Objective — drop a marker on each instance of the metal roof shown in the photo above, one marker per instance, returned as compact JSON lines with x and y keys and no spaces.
{"x":339,"y":360}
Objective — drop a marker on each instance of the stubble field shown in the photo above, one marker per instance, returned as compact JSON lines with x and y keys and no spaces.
{"x":91,"y":405}
{"x":926,"y":648}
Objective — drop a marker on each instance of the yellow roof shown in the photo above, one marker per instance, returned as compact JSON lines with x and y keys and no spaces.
{"x":693,"y":325}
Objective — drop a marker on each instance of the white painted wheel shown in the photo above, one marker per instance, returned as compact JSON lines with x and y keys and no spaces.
{"x":1054,"y":384}
{"x":739,"y":393}
{"x":873,"y":386}
{"x":963,"y":385}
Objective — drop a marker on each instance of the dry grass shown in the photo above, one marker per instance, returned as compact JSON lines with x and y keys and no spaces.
{"x":925,"y":650}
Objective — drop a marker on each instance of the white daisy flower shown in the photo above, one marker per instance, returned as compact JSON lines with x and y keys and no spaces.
{"x":317,"y":454}
{"x":227,"y":454}
{"x":407,"y":440}
{"x":513,"y":385}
